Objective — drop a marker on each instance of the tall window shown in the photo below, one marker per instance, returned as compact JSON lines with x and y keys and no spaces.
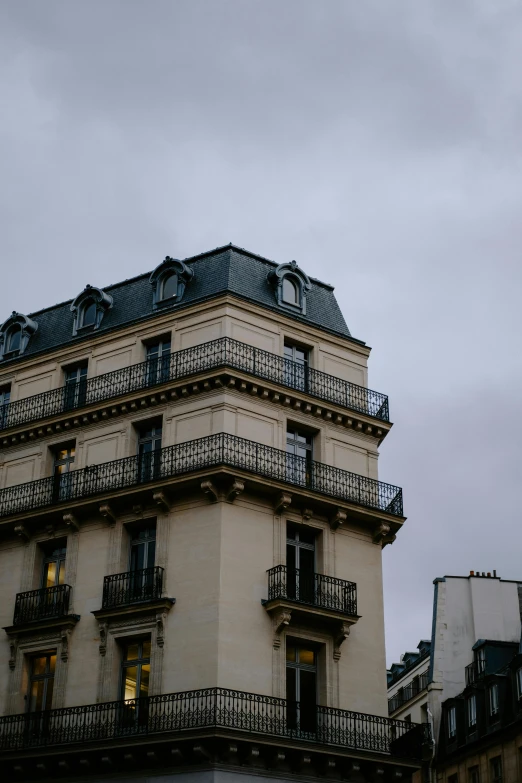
{"x":493,"y":699}
{"x":299,"y":456}
{"x":301,"y":687}
{"x":158,"y":362}
{"x":169,"y":286}
{"x":142,"y":557}
{"x":42,"y":682}
{"x":14,"y":339}
{"x":296,"y":367}
{"x":452,"y":723}
{"x":5,"y":396}
{"x":480,"y":658}
{"x":300,"y":563}
{"x":53,"y":572}
{"x":62,"y":471}
{"x":149,"y":452}
{"x":88,"y":316}
{"x":291,"y":291}
{"x":472,"y":711}
{"x":135,"y":676}
{"x":473,"y":775}
{"x":75,"y":387}
{"x":496,"y":769}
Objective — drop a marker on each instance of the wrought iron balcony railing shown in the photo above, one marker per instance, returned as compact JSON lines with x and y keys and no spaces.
{"x":223,"y":352}
{"x":305,"y":587}
{"x":43,"y":604}
{"x":202,"y":454}
{"x":475,"y":671}
{"x":213,"y":708}
{"x":145,"y":584}
{"x":416,"y":686}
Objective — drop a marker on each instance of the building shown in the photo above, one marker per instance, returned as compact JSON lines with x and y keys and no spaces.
{"x":470,"y":686}
{"x":191,"y":534}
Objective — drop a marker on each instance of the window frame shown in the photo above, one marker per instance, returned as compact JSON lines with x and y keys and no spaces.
{"x":471,"y":711}
{"x":497,"y":775}
{"x":493,"y":701}
{"x":46,"y":677}
{"x":84,"y":309}
{"x":451,"y":719}
{"x":294,"y":281}
{"x":518,"y":683}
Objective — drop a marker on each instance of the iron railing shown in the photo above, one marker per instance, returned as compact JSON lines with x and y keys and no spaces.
{"x":202,"y":454}
{"x":475,"y":671}
{"x":409,"y":691}
{"x":213,"y":708}
{"x":305,"y":587}
{"x":223,"y":352}
{"x":145,"y":584}
{"x":43,"y":604}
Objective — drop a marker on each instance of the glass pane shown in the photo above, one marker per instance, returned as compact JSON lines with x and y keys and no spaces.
{"x":89,"y":314}
{"x":130,"y":682}
{"x":48,"y":703}
{"x":52,"y":663}
{"x":288,"y":352}
{"x":151,"y":554}
{"x":289,"y":291}
{"x":144,"y":682}
{"x":37,"y":696}
{"x":153,"y":351}
{"x":146,"y":649}
{"x":170,"y":286}
{"x":15,"y":339}
{"x":291,"y":685}
{"x":137,"y":556}
{"x":290,"y":652}
{"x":165,"y":346}
{"x":131,"y":652}
{"x":307,"y":536}
{"x":39,"y":665}
{"x":290,"y":557}
{"x":306,"y":656}
{"x":49,"y":577}
{"x":306,"y":560}
{"x":61,"y":573}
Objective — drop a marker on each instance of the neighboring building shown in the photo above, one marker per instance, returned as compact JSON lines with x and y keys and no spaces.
{"x":472,"y":688}
{"x":191,"y":534}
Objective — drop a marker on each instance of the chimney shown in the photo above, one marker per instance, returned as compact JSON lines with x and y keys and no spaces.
{"x":472,"y":573}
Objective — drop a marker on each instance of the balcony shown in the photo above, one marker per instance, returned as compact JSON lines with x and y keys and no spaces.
{"x":211,"y":709}
{"x":476,"y":671}
{"x":408,"y":692}
{"x":132,"y":587}
{"x":220,"y":450}
{"x":44,"y":604}
{"x":217,"y":354}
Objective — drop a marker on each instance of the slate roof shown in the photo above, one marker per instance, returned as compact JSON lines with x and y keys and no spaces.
{"x":225,"y":269}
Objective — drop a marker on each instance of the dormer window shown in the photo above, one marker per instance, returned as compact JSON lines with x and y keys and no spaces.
{"x":291,"y":287}
{"x":15,"y":334}
{"x":168,"y":281}
{"x":89,"y":307}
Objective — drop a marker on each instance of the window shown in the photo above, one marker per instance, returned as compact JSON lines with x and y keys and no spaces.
{"x":169,"y":286}
{"x":135,"y":676}
{"x":519,"y":683}
{"x":149,"y":452}
{"x":53,"y":571}
{"x":291,"y":291}
{"x":493,"y":699}
{"x":480,"y":659}
{"x":41,"y":681}
{"x":473,"y":775}
{"x":142,"y":557}
{"x":300,"y":563}
{"x":62,"y":472}
{"x":88,"y":316}
{"x":452,"y":723}
{"x":472,"y":711}
{"x":158,"y":362}
{"x":299,"y":451}
{"x":296,"y":367}
{"x":495,"y":766}
{"x":168,"y":281}
{"x":15,"y":334}
{"x":301,"y":687}
{"x":5,"y":396}
{"x":14,"y":339}
{"x":89,"y":308}
{"x":75,"y":387}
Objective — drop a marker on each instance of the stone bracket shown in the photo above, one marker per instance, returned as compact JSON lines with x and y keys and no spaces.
{"x":283,"y":500}
{"x":340,"y":635}
{"x":161,"y":499}
{"x":383,"y":535}
{"x":71,"y":522}
{"x":107,"y":513}
{"x":281,"y":620}
{"x":338,"y":519}
{"x":236,"y":488}
{"x":22,"y":533}
{"x":210,"y":490}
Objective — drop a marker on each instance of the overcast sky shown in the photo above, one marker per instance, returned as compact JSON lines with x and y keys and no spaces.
{"x":377,"y":143}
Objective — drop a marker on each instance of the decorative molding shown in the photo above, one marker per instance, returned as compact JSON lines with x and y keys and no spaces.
{"x":131,"y":623}
{"x":160,"y":628}
{"x":71,"y":522}
{"x":22,"y":533}
{"x":236,"y":488}
{"x":383,"y":535}
{"x":284,"y":499}
{"x":102,"y":627}
{"x":65,"y":635}
{"x":338,"y":519}
{"x":13,"y":648}
{"x":18,"y":322}
{"x":161,"y":500}
{"x":281,"y":620}
{"x":169,"y":267}
{"x":107,"y":513}
{"x":307,"y":514}
{"x":102,"y":301}
{"x":343,"y":633}
{"x":210,"y":490}
{"x":137,"y":509}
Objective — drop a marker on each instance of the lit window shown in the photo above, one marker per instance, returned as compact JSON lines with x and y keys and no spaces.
{"x":42,"y":682}
{"x":472,"y":711}
{"x":89,"y":313}
{"x":169,"y":287}
{"x":452,"y":722}
{"x":493,"y":699}
{"x":290,"y":291}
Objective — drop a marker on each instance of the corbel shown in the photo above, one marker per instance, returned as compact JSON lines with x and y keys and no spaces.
{"x":50,"y":530}
{"x":383,"y":535}
{"x":65,"y":635}
{"x":339,"y":518}
{"x":236,"y":488}
{"x":71,"y":522}
{"x":102,"y":627}
{"x":22,"y":533}
{"x":137,"y":509}
{"x":307,"y":514}
{"x":160,"y":628}
{"x":343,"y":633}
{"x":210,"y":490}
{"x":281,"y":620}
{"x":107,"y":513}
{"x":161,"y":500}
{"x":13,"y":649}
{"x":282,"y":502}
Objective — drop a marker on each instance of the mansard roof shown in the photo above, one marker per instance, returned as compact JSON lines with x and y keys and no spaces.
{"x":225,"y":269}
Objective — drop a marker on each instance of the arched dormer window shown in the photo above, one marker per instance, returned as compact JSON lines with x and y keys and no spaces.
{"x":168,"y":281}
{"x":89,"y":307}
{"x":15,"y":334}
{"x":291,"y":287}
